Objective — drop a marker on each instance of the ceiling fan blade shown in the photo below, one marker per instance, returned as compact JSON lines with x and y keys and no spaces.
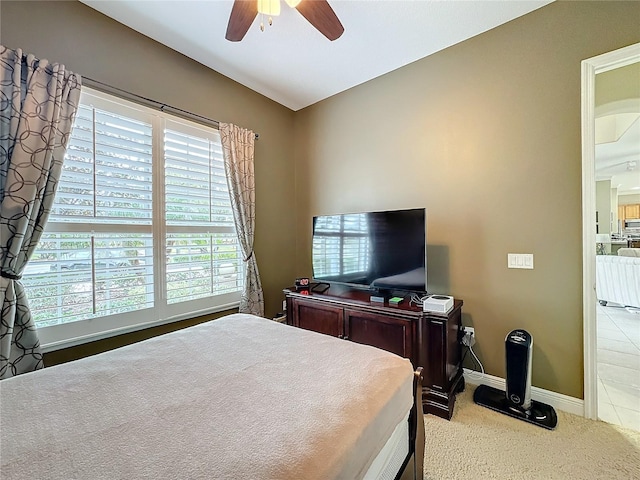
{"x":320,"y":14}
{"x":241,"y":18}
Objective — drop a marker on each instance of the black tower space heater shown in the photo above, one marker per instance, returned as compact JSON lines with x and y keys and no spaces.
{"x":516,"y":402}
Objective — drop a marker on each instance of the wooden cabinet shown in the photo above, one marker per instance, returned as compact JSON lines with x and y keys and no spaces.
{"x":429,"y":340}
{"x":388,"y":333}
{"x":632,"y":211}
{"x":322,"y":318}
{"x":626,"y":212}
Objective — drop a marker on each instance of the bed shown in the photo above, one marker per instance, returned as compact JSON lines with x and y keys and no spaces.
{"x":240,"y":397}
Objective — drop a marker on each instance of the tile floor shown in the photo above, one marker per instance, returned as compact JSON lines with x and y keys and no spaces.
{"x":618,"y":360}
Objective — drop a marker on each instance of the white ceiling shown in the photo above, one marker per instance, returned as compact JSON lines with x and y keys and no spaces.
{"x":291,"y":62}
{"x":617,"y":152}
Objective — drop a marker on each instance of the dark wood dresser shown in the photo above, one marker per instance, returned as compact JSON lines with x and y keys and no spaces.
{"x":429,"y":340}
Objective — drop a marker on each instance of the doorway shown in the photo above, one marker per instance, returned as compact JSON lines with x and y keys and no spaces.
{"x":590,"y":68}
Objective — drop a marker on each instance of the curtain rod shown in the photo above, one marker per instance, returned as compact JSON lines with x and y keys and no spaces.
{"x":150,"y":102}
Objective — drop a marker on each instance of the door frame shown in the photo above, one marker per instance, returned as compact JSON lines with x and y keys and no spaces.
{"x":590,"y":67}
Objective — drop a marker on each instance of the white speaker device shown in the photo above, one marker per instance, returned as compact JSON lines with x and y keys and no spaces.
{"x":437,"y":304}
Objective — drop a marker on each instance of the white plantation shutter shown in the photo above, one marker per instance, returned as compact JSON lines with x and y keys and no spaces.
{"x":77,"y":276}
{"x":196,"y":185}
{"x":203,"y":255}
{"x":126,"y":235}
{"x":107,"y":171}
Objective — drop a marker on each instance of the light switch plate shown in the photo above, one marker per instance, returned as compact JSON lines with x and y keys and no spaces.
{"x":520,"y":260}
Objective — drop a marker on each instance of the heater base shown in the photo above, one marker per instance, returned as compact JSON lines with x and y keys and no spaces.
{"x":539,"y":414}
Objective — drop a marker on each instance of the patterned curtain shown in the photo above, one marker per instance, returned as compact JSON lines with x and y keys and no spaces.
{"x":38,"y":101}
{"x":237,"y":150}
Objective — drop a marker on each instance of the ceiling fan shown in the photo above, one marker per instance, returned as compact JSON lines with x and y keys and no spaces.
{"x":628,"y":165}
{"x":317,"y":12}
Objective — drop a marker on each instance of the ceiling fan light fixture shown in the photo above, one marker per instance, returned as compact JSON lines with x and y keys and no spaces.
{"x":269,"y":7}
{"x":317,"y":12}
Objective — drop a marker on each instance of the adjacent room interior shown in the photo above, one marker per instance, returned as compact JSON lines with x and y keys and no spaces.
{"x":617,"y":188}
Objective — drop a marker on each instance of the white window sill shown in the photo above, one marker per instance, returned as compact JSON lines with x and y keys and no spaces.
{"x":49,"y":342}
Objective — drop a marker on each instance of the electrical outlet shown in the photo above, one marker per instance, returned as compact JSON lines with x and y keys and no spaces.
{"x":469,"y":336}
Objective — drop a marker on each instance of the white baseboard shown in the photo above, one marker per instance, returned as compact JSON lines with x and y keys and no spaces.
{"x":556,"y":400}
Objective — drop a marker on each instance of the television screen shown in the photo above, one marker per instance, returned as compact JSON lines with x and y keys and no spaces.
{"x":375,"y":250}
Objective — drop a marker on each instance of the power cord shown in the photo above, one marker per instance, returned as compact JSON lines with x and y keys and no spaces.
{"x":468,"y":340}
{"x":417,"y":300}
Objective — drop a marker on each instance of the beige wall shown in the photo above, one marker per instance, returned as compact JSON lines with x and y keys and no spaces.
{"x":618,"y":84}
{"x":486,"y":136}
{"x":628,"y":199}
{"x":93,"y":45}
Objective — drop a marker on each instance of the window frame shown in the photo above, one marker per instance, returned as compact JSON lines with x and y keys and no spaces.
{"x":77,"y":332}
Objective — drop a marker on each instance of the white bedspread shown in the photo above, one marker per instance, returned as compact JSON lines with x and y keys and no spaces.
{"x":240,"y":397}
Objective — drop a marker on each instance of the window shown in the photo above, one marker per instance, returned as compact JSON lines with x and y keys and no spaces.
{"x":141,"y":230}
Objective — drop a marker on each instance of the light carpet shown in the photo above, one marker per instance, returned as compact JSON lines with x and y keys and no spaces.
{"x":478,"y":443}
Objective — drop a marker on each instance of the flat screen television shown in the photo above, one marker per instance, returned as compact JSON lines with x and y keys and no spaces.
{"x":379,"y":251}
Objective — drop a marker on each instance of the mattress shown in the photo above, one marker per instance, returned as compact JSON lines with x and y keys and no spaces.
{"x":387,"y":463}
{"x":238,"y":397}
